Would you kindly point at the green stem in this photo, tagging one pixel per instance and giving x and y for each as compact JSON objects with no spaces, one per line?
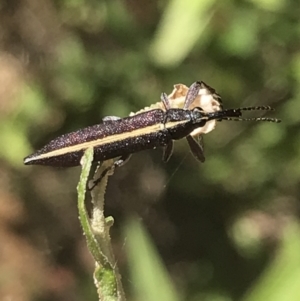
{"x":106,"y":276}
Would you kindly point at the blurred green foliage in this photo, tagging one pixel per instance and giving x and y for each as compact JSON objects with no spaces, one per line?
{"x":226,"y":229}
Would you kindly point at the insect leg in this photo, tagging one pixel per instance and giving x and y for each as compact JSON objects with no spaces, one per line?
{"x":192,"y":94}
{"x":110,"y":118}
{"x":168,"y":150}
{"x":196,"y":148}
{"x":118,"y":163}
{"x":165,"y":100}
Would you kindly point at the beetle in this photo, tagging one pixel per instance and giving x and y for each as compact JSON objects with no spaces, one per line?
{"x":119,"y":137}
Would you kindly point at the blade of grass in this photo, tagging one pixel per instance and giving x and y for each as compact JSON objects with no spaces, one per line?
{"x":148,"y":274}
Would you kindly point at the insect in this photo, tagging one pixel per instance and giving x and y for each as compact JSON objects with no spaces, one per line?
{"x":119,"y":137}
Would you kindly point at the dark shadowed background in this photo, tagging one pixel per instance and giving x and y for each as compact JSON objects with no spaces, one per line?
{"x":225,"y":230}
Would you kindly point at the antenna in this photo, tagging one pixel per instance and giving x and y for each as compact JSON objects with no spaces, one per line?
{"x":256,"y":108}
{"x":235,"y":114}
{"x":276,"y":120}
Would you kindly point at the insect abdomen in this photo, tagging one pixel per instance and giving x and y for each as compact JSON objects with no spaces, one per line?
{"x":109,"y":139}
